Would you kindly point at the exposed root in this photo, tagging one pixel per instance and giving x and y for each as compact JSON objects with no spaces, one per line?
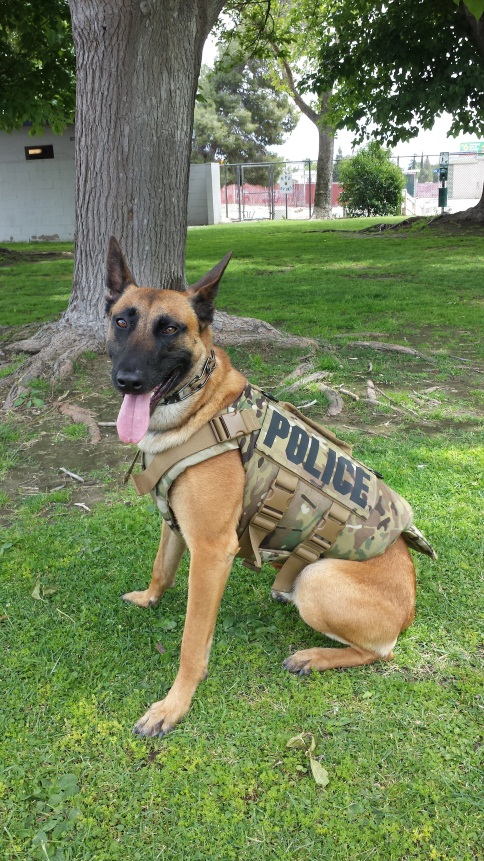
{"x":81,"y":415}
{"x":231,"y":331}
{"x":54,"y":349}
{"x":387,"y":348}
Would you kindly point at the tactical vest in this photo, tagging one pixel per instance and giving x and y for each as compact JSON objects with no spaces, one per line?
{"x":305,"y":496}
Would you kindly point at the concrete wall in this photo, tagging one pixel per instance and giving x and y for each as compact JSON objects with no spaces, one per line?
{"x":204,"y":194}
{"x":37,"y":197}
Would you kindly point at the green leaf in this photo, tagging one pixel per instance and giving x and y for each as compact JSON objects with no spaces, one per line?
{"x":40,"y":839}
{"x":476,"y":7}
{"x":36,"y":593}
{"x":320,"y":774}
{"x":297,"y":741}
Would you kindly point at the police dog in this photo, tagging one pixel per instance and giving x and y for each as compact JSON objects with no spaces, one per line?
{"x":159,"y":340}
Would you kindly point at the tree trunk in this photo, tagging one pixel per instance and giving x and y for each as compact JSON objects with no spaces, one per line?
{"x":324,"y":170}
{"x":137,"y":71}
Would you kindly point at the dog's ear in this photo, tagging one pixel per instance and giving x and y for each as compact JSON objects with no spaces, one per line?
{"x":203,"y":293}
{"x":118,"y":275}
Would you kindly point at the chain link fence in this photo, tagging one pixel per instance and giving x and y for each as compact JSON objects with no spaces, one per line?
{"x":285,"y":190}
{"x":273,"y":190}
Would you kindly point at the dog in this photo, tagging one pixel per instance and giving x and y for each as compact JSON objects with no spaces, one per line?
{"x":160,"y":341}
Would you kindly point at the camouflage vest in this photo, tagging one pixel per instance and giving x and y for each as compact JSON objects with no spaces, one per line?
{"x":305,"y":495}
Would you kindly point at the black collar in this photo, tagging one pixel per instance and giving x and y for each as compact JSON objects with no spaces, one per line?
{"x":197,"y":383}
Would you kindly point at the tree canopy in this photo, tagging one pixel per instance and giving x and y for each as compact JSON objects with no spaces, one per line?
{"x":37,"y":65}
{"x":239,"y":115}
{"x":397,"y":65}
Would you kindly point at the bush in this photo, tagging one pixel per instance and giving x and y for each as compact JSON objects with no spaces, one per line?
{"x":372,"y":184}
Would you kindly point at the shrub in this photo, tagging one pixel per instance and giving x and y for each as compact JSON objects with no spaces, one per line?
{"x":372,"y":184}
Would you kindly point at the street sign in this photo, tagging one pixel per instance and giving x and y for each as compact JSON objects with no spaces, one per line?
{"x":444,"y":159}
{"x":285,"y":183}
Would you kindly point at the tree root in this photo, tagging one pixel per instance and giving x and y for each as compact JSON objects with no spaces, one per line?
{"x":53,"y":351}
{"x":231,"y":331}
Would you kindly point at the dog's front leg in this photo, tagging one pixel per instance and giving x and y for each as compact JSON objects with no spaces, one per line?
{"x":209,"y":570}
{"x":170,"y":551}
{"x":207,"y":501}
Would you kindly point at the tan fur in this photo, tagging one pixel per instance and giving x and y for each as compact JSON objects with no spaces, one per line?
{"x":362,"y":604}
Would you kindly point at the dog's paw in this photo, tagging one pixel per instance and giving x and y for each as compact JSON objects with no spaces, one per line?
{"x":283,"y":597}
{"x":141,"y":599}
{"x":159,"y":720}
{"x":298,"y":663}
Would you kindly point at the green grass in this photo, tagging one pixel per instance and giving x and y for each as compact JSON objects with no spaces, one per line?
{"x":401,"y":742}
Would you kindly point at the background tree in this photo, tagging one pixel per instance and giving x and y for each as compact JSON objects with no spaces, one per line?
{"x":427,"y":172}
{"x":397,"y":65}
{"x":372,"y":184}
{"x":285,"y":33}
{"x":37,"y":65}
{"x":336,"y":164}
{"x":240,"y":115}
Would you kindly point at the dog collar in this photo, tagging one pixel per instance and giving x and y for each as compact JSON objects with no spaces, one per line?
{"x":197,"y":383}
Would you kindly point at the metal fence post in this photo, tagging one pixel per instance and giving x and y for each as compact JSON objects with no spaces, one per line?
{"x":238,"y":190}
{"x":310,"y":189}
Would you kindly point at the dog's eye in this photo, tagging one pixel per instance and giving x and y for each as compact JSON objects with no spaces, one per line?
{"x":121,"y":322}
{"x":170,"y":330}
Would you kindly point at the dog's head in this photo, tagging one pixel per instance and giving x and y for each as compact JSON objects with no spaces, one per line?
{"x":157,"y":339}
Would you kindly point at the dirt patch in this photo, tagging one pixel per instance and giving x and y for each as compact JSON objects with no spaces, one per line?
{"x":49,"y":442}
{"x":8,"y":257}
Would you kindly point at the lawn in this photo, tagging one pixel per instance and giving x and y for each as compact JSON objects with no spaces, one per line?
{"x":401,"y":742}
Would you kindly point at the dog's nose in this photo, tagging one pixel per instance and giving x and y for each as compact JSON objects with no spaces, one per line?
{"x":129,"y":382}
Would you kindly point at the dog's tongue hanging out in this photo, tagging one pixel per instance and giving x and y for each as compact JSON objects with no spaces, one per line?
{"x":134,"y":417}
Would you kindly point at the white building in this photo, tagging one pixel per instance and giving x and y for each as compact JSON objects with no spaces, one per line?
{"x":37,"y":182}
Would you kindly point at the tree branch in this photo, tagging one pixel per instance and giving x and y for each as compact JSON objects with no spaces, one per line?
{"x":305,"y":109}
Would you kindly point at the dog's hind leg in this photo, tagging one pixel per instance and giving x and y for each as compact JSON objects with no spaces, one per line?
{"x":364,"y":605}
{"x":170,"y":551}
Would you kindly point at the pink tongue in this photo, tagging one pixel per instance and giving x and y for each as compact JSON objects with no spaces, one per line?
{"x":134,"y":417}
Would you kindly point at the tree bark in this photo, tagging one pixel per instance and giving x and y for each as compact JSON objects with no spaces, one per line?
{"x":324,"y":171}
{"x":137,"y":71}
{"x":324,"y":168}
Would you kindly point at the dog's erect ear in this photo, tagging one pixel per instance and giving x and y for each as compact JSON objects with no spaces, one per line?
{"x":118,"y":275}
{"x":203,"y":293}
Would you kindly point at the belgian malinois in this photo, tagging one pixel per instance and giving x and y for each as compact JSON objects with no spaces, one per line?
{"x":159,"y":341}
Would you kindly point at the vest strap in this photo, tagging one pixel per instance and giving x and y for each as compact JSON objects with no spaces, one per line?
{"x":314,"y":546}
{"x":220,"y":429}
{"x":268,"y":516}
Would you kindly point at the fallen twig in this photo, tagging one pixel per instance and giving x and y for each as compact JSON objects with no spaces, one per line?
{"x":397,"y":406}
{"x":350,"y":394}
{"x":304,"y":381}
{"x":306,"y":406}
{"x":71,"y":474}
